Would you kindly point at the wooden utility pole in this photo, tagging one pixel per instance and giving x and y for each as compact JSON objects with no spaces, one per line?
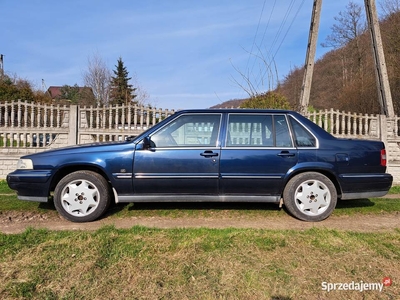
{"x":382,"y":80}
{"x":1,"y":65}
{"x":310,"y":57}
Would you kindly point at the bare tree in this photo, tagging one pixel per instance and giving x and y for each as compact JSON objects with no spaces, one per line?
{"x":390,"y":7}
{"x":255,"y":84}
{"x":346,"y":38}
{"x":98,"y":76}
{"x":350,"y":25}
{"x":142,"y":97}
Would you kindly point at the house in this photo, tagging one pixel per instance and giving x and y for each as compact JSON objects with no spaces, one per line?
{"x":56,"y":91}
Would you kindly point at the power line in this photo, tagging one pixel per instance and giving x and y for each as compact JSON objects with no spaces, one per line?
{"x":271,"y":53}
{"x":262,"y":39}
{"x":283,"y":39}
{"x":255,"y":35}
{"x":253,"y":44}
{"x":268,"y":55}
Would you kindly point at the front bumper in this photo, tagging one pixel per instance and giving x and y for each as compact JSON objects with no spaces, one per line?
{"x":31,"y":185}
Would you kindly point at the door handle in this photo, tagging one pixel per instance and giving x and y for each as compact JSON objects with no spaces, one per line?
{"x":286,"y":154}
{"x":208,"y":153}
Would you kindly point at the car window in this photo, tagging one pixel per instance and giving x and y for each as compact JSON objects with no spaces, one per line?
{"x":302,"y":136}
{"x":189,"y":131}
{"x":282,"y":133}
{"x":250,"y":130}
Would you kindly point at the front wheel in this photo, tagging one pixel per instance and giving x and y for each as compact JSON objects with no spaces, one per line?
{"x":310,"y":196}
{"x":82,"y":196}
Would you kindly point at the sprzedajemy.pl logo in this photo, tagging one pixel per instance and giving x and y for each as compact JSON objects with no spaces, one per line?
{"x":360,"y":286}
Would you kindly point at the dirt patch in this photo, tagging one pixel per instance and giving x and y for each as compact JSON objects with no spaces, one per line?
{"x":16,"y":222}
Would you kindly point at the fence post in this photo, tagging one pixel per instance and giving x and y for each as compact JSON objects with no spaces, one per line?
{"x":383,"y":133}
{"x":383,"y":127}
{"x":73,"y":125}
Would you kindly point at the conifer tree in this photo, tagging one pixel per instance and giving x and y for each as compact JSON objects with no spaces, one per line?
{"x":121,"y":91}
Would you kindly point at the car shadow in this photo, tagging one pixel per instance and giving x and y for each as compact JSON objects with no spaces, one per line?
{"x":198,"y":206}
{"x":204,"y":206}
{"x":47,"y":205}
{"x":341,"y":204}
{"x":344,"y":204}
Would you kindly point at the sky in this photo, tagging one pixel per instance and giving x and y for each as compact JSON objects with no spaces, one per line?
{"x":181,"y":53}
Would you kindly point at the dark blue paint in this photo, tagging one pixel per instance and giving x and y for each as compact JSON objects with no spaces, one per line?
{"x":353,"y":165}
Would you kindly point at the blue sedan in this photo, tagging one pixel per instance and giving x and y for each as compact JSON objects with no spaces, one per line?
{"x":209,"y":155}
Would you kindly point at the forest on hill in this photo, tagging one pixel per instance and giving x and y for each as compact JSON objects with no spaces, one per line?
{"x":344,"y":78}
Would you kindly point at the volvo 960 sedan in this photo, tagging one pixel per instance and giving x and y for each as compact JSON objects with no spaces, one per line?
{"x":209,"y":155}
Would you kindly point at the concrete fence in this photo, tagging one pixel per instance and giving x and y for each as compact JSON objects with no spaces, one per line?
{"x":29,"y":127}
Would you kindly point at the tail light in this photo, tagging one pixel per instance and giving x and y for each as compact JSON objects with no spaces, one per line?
{"x":383,"y":158}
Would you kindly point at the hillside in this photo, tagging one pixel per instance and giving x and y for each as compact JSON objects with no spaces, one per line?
{"x":229,"y":104}
{"x":344,"y":78}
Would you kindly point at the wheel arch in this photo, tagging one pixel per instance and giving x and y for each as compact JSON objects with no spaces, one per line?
{"x":327,"y":171}
{"x":62,"y":172}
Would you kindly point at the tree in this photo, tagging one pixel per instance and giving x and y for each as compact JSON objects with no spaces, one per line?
{"x":266,"y":100}
{"x":70,"y":93}
{"x":390,"y":7}
{"x":121,"y":92}
{"x":15,"y":89}
{"x":346,"y":35}
{"x":267,"y":74}
{"x":350,"y":39}
{"x":390,"y":27}
{"x":98,"y":77}
{"x":77,"y":95}
{"x":350,"y":25}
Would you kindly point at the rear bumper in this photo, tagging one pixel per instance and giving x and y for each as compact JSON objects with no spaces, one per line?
{"x":356,"y":186}
{"x":31,"y":185}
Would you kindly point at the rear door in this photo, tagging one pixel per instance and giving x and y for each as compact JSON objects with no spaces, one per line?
{"x":257,"y":153}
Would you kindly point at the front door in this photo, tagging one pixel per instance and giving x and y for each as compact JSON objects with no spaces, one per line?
{"x":183,"y":160}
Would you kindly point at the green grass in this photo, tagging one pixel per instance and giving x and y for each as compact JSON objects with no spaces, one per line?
{"x":9,"y":202}
{"x":395,"y":189}
{"x":197,"y":263}
{"x":4,"y":189}
{"x":144,"y":263}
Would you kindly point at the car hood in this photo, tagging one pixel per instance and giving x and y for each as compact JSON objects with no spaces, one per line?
{"x":84,"y":148}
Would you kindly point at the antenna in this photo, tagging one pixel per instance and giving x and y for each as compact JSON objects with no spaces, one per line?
{"x":44,"y":86}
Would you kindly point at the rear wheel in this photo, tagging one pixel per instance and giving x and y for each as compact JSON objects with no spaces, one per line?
{"x":310,"y":196}
{"x":82,"y":196}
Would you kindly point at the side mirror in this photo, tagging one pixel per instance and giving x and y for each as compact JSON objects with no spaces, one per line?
{"x":148,"y":143}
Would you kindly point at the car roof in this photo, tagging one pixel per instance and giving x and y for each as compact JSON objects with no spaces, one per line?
{"x":237,"y":110}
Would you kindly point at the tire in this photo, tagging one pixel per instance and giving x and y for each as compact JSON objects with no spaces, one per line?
{"x":310,"y":196}
{"x":82,"y":196}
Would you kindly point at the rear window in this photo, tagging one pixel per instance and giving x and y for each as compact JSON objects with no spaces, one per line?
{"x":302,"y":137}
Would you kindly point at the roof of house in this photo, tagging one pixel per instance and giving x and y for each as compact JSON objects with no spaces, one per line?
{"x":55,"y":91}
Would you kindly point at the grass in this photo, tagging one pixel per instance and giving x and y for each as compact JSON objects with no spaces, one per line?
{"x":143,"y":263}
{"x":4,"y":189}
{"x":9,"y":202}
{"x":395,"y":189}
{"x":197,"y":263}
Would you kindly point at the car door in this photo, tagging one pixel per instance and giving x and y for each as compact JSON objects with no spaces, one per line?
{"x":183,"y":159}
{"x":257,"y":153}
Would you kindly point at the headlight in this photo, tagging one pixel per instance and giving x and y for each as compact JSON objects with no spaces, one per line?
{"x":25,"y":164}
